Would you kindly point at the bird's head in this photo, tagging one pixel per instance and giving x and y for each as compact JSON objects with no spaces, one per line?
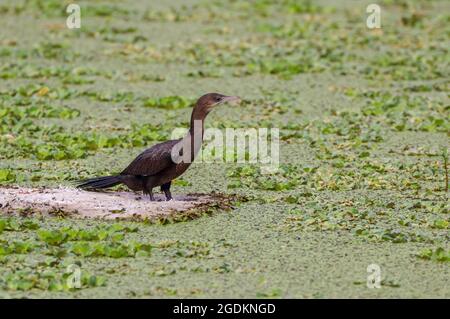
{"x":208,"y":101}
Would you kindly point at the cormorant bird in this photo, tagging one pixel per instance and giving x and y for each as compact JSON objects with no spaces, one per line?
{"x":161,"y":163}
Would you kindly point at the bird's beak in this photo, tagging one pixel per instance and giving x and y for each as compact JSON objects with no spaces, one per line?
{"x":231,"y":99}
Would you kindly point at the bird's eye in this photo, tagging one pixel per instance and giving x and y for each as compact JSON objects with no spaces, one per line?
{"x":218,"y":98}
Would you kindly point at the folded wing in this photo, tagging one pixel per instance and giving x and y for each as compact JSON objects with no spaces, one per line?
{"x":152,"y":161}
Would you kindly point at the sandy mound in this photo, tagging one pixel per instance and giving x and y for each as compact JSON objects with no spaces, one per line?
{"x":105,"y":205}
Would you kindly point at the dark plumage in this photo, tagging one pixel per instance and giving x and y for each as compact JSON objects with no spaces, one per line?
{"x":163,"y":162}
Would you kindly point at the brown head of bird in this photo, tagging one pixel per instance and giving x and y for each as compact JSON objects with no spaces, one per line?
{"x":208,"y":102}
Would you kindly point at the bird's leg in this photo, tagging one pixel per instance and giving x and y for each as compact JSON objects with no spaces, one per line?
{"x":147,"y":185}
{"x":166,"y":189}
{"x":148,"y":192}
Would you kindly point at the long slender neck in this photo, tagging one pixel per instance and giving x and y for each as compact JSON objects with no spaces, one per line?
{"x":197,"y":124}
{"x":194,"y":137}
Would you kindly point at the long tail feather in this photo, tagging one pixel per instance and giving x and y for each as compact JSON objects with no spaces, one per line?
{"x":100,"y":182}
